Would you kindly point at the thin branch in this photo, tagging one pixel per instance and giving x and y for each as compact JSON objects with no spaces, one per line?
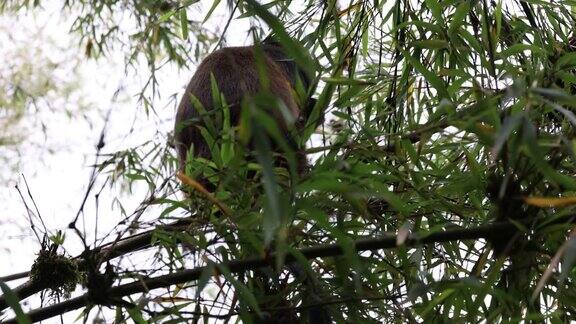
{"x":15,"y":276}
{"x":106,"y":252}
{"x":239,"y":266}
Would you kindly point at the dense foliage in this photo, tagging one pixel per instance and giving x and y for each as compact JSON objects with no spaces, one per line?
{"x":443,"y":175}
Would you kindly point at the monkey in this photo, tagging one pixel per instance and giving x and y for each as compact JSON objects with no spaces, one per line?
{"x":237,"y":76}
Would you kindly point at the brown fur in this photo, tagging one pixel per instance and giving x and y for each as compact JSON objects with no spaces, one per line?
{"x":236,"y":74}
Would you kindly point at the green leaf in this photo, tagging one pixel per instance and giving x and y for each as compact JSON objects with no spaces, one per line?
{"x":272,"y":212}
{"x":165,"y":17}
{"x":184,"y":23}
{"x":135,"y":176}
{"x":215,"y":4}
{"x":498,"y":18}
{"x":431,"y":43}
{"x":537,"y":155}
{"x":436,"y":9}
{"x":557,"y":95}
{"x":347,"y":81}
{"x":567,"y":61}
{"x":510,"y":123}
{"x":459,"y":17}
{"x":438,"y":300}
{"x":520,"y":49}
{"x":14,"y":303}
{"x":433,"y":79}
{"x":211,"y":143}
{"x":227,"y":150}
{"x":136,"y":315}
{"x":568,"y":260}
{"x":567,"y":113}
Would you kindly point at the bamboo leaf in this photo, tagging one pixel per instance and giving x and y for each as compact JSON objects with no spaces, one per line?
{"x":434,"y":80}
{"x":14,"y":303}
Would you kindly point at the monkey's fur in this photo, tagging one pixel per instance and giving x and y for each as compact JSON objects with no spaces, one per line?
{"x":237,"y":76}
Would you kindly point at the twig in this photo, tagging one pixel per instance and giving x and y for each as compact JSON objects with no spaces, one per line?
{"x":34,"y":203}
{"x":227,"y":25}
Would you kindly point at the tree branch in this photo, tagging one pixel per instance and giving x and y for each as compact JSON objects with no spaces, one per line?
{"x":106,"y":252}
{"x":239,"y":266}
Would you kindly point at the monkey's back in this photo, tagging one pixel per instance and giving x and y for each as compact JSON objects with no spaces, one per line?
{"x":236,"y":74}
